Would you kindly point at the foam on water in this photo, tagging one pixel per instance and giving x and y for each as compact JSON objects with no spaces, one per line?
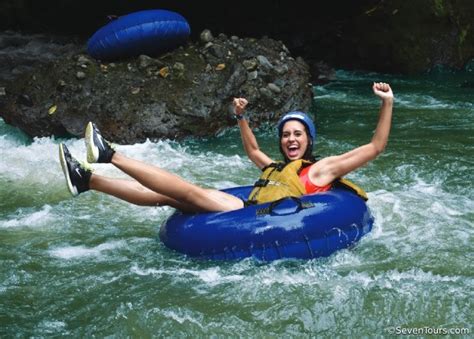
{"x":350,"y":98}
{"x":182,"y":316}
{"x":210,"y":276}
{"x":38,"y":163}
{"x":30,"y":218}
{"x":442,"y":212}
{"x":35,"y":168}
{"x":424,"y":102}
{"x":81,"y":252}
{"x":33,"y":163}
{"x":322,"y":276}
{"x":51,"y":327}
{"x":410,"y":101}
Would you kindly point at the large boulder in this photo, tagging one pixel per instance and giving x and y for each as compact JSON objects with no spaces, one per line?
{"x":186,"y":92}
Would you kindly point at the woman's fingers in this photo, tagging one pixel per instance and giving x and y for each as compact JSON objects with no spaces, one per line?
{"x":241,"y":102}
{"x":382,"y":90}
{"x":381,"y":86}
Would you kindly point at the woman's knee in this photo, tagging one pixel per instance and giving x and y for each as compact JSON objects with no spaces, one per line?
{"x":193,"y":196}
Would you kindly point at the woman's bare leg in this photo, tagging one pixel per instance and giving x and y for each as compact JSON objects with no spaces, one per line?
{"x":176,"y":189}
{"x":134,"y":192}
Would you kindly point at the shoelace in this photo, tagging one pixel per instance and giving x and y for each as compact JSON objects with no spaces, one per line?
{"x":85,"y":165}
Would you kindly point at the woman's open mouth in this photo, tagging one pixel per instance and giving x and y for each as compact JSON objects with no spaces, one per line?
{"x":293,"y":151}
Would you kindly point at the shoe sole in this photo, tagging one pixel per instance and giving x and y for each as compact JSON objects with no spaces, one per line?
{"x":62,"y":160}
{"x":92,"y":150}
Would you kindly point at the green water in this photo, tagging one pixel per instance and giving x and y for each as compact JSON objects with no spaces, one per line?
{"x":93,"y":265}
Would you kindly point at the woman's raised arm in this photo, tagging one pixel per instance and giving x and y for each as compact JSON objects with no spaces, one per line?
{"x":326,"y":170}
{"x":248,"y":138}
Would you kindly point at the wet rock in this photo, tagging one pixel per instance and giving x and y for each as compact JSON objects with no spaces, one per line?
{"x":61,"y":85}
{"x":178,"y":67}
{"x":264,"y":62}
{"x":80,"y":75}
{"x":281,"y":69}
{"x":250,"y":64}
{"x":83,"y":61}
{"x":252,"y":75}
{"x":266,"y":92}
{"x":206,"y":36}
{"x":24,"y":99}
{"x":145,"y":61}
{"x":274,"y":88}
{"x":218,"y":51}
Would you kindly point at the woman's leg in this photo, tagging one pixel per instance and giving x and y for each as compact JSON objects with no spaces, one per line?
{"x":158,"y":180}
{"x":182,"y":195}
{"x":174,"y":188}
{"x":133,"y":192}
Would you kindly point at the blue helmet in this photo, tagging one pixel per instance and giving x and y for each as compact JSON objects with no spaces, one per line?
{"x":301,"y":117}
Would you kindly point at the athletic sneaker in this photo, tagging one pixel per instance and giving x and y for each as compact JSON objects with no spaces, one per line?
{"x":77,"y":174}
{"x":98,"y":149}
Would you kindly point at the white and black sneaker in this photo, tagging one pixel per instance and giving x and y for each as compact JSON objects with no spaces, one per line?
{"x":77,"y":174}
{"x":98,"y":149}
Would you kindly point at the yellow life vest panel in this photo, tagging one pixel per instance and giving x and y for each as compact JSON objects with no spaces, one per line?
{"x":278,"y":180}
{"x":353,"y":187}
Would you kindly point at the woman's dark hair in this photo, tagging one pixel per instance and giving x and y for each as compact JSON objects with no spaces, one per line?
{"x":308,"y":153}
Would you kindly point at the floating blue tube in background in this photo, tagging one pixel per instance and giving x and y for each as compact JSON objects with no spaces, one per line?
{"x":149,"y":32}
{"x":309,"y":227}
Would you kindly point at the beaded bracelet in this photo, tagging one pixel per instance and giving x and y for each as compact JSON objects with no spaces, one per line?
{"x":239,"y":116}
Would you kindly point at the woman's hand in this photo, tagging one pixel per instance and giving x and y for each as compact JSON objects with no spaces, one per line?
{"x":383,"y":91}
{"x":239,"y":105}
{"x":248,"y":138}
{"x":326,"y":170}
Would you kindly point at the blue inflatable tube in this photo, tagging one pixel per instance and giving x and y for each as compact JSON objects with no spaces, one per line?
{"x":147,"y":32}
{"x":308,"y":227}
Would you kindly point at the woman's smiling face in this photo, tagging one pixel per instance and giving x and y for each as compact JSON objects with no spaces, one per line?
{"x":294,"y":140}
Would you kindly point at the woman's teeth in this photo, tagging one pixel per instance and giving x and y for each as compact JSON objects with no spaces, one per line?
{"x":292,"y":150}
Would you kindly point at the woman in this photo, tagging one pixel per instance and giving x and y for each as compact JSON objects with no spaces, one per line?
{"x":154,"y":186}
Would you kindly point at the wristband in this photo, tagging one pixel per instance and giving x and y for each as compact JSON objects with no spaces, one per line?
{"x":239,"y":116}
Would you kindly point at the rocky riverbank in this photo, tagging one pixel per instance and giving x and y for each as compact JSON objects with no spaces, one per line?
{"x":185,"y":92}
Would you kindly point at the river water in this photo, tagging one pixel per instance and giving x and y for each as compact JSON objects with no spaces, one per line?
{"x":94,"y":265}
